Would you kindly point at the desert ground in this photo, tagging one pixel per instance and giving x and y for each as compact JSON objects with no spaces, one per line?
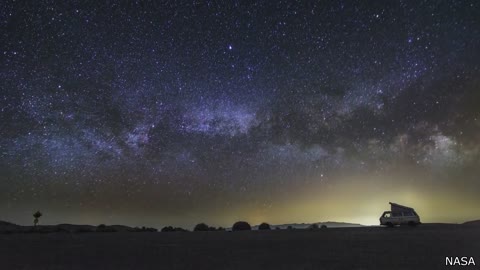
{"x":422,"y":247}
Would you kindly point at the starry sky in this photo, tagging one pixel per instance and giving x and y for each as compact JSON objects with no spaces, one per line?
{"x":173,"y":113}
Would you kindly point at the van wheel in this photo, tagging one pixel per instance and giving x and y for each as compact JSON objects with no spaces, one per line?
{"x":389,"y":224}
{"x":412,"y":224}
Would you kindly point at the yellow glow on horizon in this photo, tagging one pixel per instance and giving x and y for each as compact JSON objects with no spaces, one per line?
{"x":357,"y":202}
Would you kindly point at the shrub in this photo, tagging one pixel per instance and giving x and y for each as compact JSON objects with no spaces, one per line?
{"x":264,"y":226}
{"x":172,"y":229}
{"x":143,"y":229}
{"x":202,"y":227}
{"x":241,"y":226}
{"x":167,"y":229}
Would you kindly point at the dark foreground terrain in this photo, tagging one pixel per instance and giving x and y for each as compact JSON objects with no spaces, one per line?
{"x":423,"y":247}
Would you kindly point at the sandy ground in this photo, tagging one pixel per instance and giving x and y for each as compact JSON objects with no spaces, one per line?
{"x":423,"y":247}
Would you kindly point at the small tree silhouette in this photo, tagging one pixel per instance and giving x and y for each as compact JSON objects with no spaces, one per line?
{"x":36,"y":215}
{"x":167,"y":229}
{"x":264,"y":226}
{"x":241,"y":226}
{"x":201,"y":227}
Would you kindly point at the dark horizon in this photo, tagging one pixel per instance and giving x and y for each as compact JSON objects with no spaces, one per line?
{"x":154,"y":114}
{"x":224,"y":225}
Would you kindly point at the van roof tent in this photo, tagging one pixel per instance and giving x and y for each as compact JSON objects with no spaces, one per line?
{"x":400,"y":208}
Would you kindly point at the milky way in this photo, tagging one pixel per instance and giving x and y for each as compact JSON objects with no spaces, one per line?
{"x":170,"y":112}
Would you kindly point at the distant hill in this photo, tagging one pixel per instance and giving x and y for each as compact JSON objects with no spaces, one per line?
{"x":7,"y":227}
{"x":4,"y":223}
{"x":329,"y":224}
{"x":472,"y":223}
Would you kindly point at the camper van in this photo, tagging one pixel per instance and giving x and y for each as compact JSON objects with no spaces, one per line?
{"x":399,"y":215}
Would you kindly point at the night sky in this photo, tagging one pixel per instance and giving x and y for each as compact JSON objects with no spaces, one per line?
{"x":171,"y":113}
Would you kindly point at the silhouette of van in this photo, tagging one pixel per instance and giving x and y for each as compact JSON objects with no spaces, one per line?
{"x":399,"y":215}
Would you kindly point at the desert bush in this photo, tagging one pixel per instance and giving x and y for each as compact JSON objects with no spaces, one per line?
{"x":167,"y":229}
{"x":172,"y":229}
{"x":143,"y":229}
{"x":241,"y":226}
{"x":264,"y":226}
{"x":202,"y":227}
